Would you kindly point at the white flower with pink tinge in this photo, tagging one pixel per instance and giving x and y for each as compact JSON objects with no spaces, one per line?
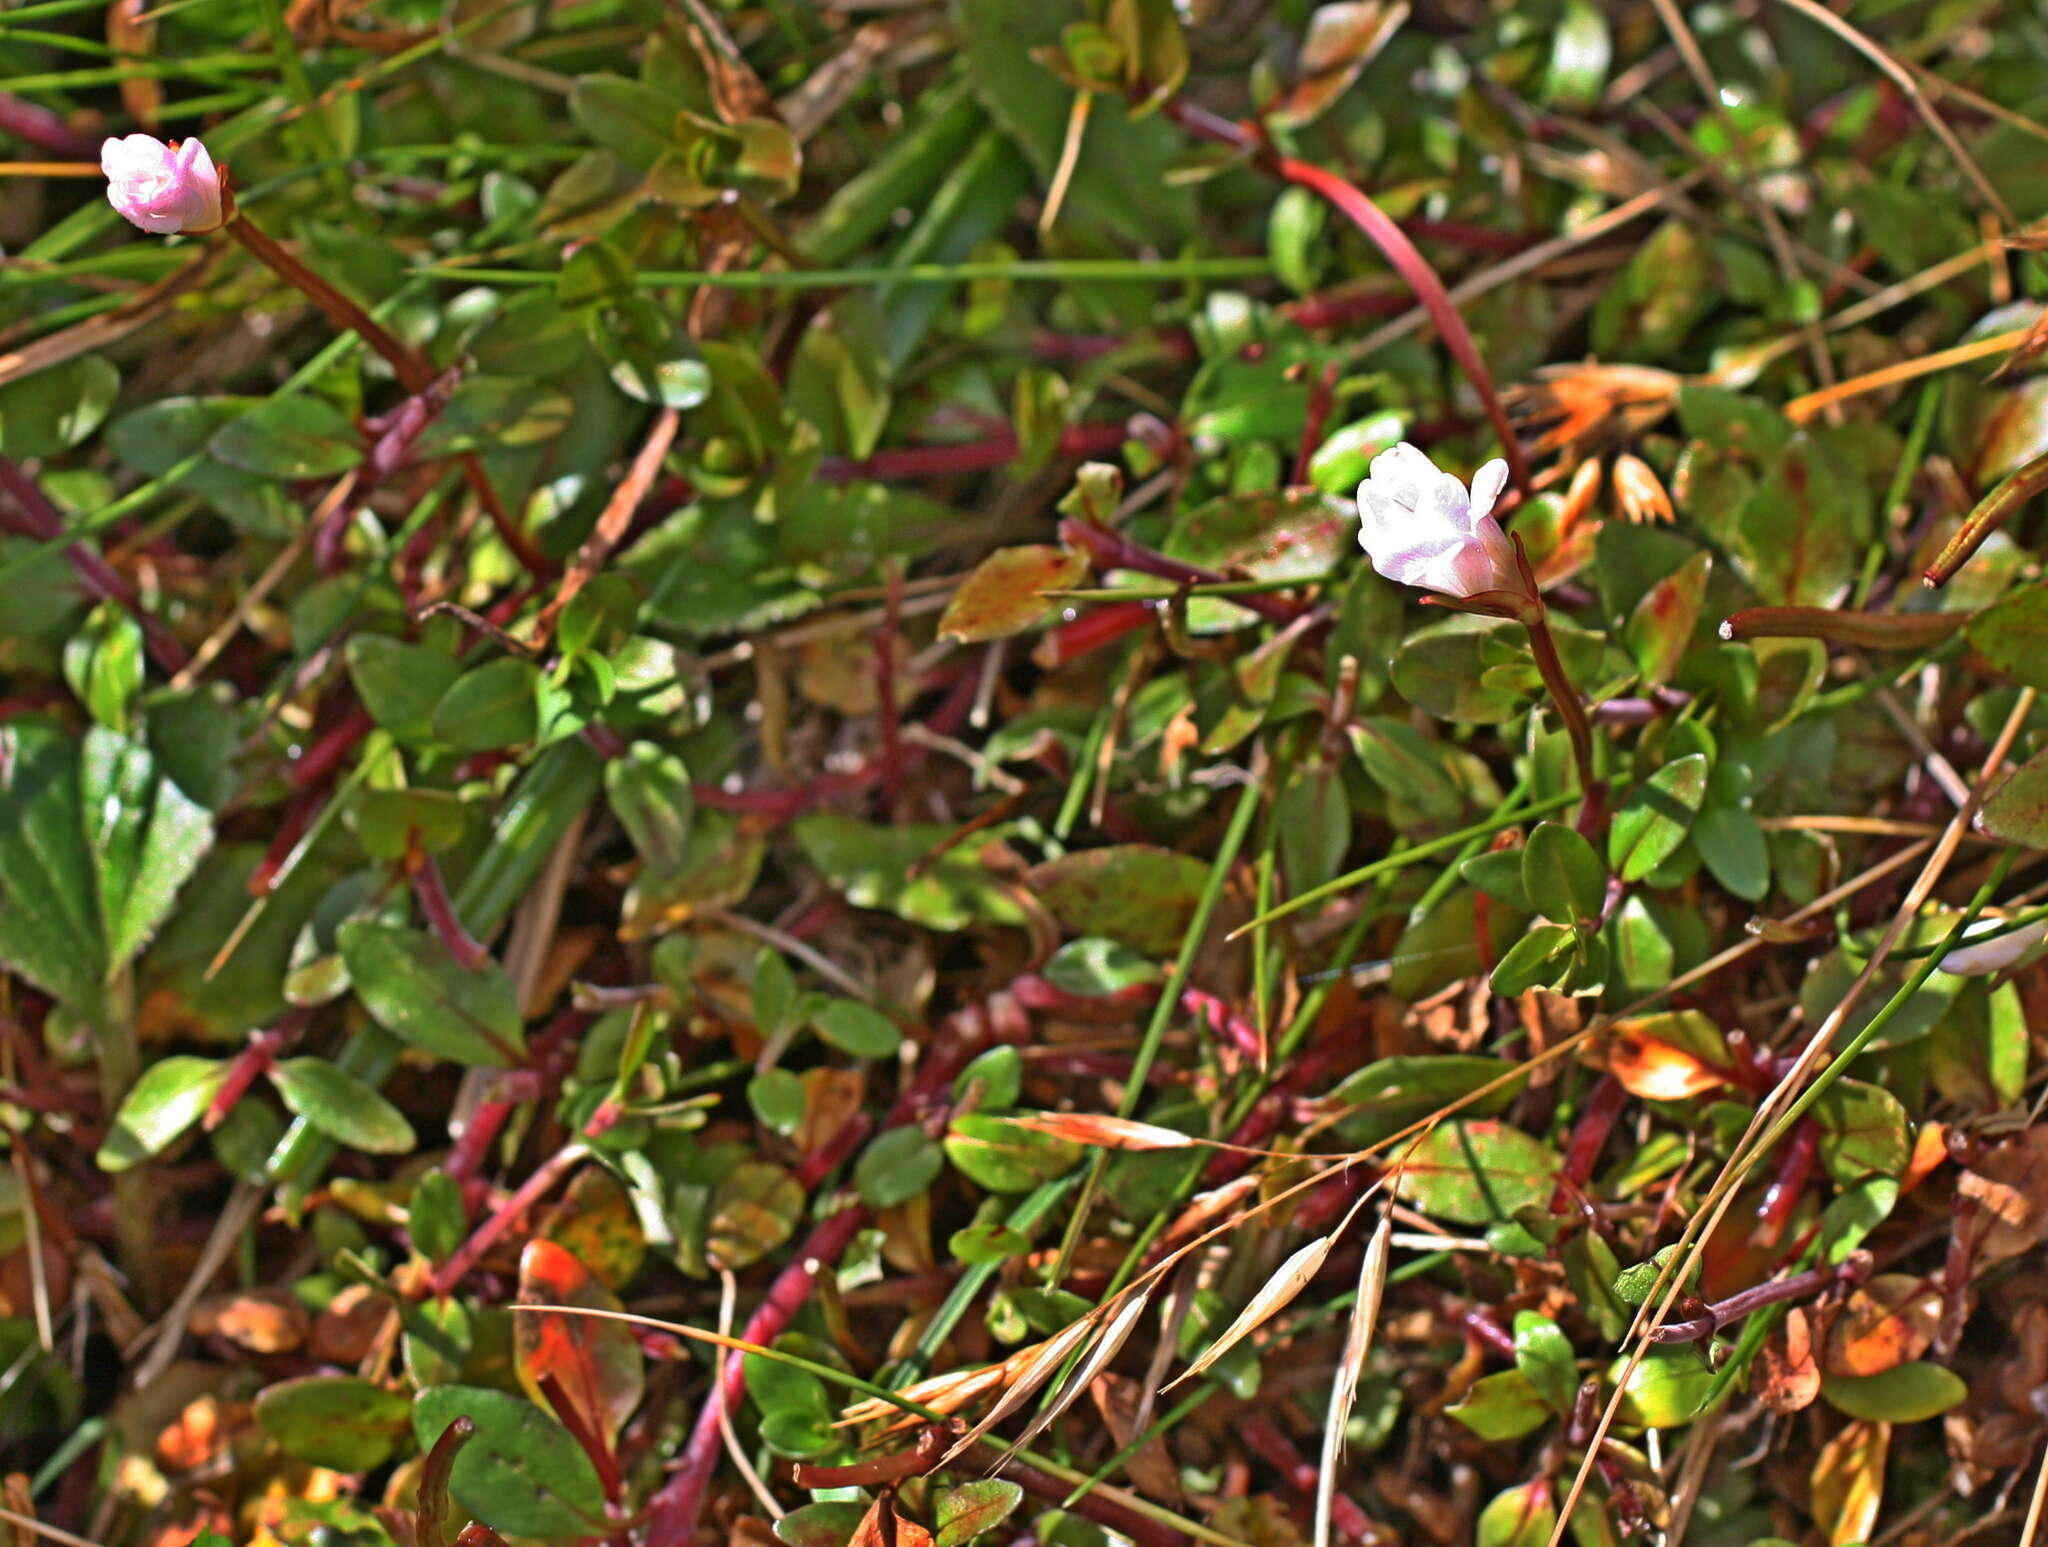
{"x":162,"y":188}
{"x":1978,"y":956}
{"x":1420,"y":527}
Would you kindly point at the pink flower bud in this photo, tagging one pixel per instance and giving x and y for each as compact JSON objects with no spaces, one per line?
{"x":1979,"y":956}
{"x":162,"y":188}
{"x":1419,"y":526}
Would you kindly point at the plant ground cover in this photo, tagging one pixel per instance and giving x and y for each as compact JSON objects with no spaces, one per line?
{"x":710,"y":830}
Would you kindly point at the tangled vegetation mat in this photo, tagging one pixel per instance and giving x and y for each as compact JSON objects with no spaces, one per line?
{"x":878,"y":773}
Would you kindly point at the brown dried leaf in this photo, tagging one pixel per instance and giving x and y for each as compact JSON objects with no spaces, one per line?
{"x":264,"y":1321}
{"x":1788,"y":1377}
{"x":2009,"y":1184}
{"x":1120,"y":1401}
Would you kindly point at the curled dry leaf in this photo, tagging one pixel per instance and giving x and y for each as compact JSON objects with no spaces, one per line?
{"x":1788,"y":1375}
{"x":2009,"y":1184}
{"x":1288,"y":1280}
{"x":1848,"y":1482}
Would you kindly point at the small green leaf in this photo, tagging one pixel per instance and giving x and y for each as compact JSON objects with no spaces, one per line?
{"x":828,"y":1524}
{"x":1562,"y":875}
{"x":496,"y":705}
{"x":1906,"y":1393}
{"x":1521,"y":1516}
{"x":171,"y":1096}
{"x":1502,"y":1406}
{"x":1667,"y":1388}
{"x":971,"y":1509}
{"x":1540,"y":958}
{"x":1655,"y":818}
{"x":400,"y":684}
{"x":342,"y":1107}
{"x":1864,"y":1131}
{"x":651,"y":795}
{"x":855,"y":1028}
{"x":897,"y":1167}
{"x":777,"y":1099}
{"x":52,"y":410}
{"x":1092,"y":967}
{"x":1005,"y":1158}
{"x":1476,"y":1172}
{"x":436,"y":1217}
{"x":289,"y":438}
{"x":419,"y":992}
{"x":1544,"y":1354}
{"x":338,"y":1421}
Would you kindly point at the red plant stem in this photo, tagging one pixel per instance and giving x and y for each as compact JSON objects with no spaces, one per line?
{"x":1572,"y":710}
{"x":1589,"y":1136}
{"x":253,"y":1062}
{"x":834,"y":1152}
{"x":1782,"y":1196}
{"x":886,"y":714}
{"x":431,"y":892}
{"x":485,"y":1236}
{"x":672,"y":1514}
{"x":582,"y":1427}
{"x":1092,"y":630}
{"x":1112,"y":550}
{"x":413,"y":372}
{"x":1322,"y":397}
{"x":1265,"y":1439}
{"x":335,"y":743}
{"x":36,"y":517}
{"x":1394,"y":245}
{"x":980,"y":456}
{"x":1480,"y":1323}
{"x":1104,"y":1511}
{"x":1851,"y":1270}
{"x":298,"y":818}
{"x":1864,"y":630}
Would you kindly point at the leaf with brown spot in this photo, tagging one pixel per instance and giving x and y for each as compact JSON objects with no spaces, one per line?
{"x":595,"y":1358}
{"x":881,"y":1526}
{"x":1005,"y":594}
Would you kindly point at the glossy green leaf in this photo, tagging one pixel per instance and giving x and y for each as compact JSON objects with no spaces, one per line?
{"x":1655,"y":818}
{"x":898,"y":1166}
{"x":1562,"y":875}
{"x":521,"y":1473}
{"x":400,"y":684}
{"x":1005,"y":1158}
{"x":495,"y":705}
{"x":172,"y":1094}
{"x":1544,"y":1354}
{"x":1501,"y":1406}
{"x":1474,"y":1171}
{"x":973,"y":1509}
{"x":858,"y":1029}
{"x":419,"y":992}
{"x":342,"y":1106}
{"x":1906,"y":1393}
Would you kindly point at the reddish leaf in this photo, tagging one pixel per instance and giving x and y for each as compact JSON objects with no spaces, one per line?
{"x":1004,"y":595}
{"x":596,"y":1359}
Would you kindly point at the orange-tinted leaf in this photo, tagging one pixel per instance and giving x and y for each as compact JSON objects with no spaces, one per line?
{"x":1888,"y":1321}
{"x":596,"y":1359}
{"x":1930,"y":1151}
{"x":1667,"y":1057}
{"x":2009,"y":1184}
{"x":881,"y":1526}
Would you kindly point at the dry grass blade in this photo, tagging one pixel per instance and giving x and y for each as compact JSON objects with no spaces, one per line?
{"x":1288,"y":1280}
{"x":1114,"y":1335}
{"x":1365,"y":1314}
{"x":1032,"y":1374}
{"x":1116,"y":1133}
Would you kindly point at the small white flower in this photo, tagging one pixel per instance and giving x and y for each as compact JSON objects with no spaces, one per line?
{"x":1996,"y":953}
{"x":1419,"y":526}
